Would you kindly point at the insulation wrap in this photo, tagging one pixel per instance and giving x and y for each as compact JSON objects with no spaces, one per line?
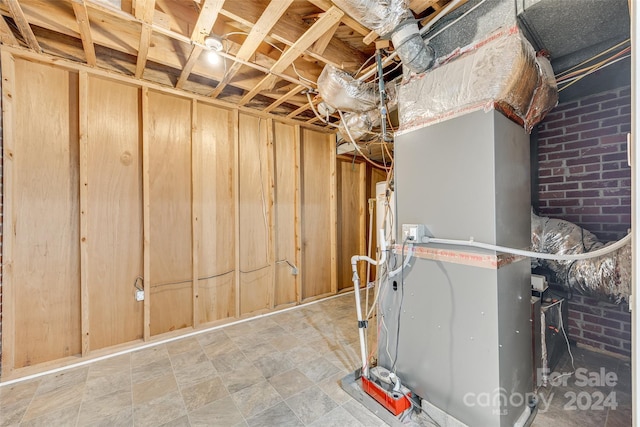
{"x":381,"y":16}
{"x":606,"y":277}
{"x":345,"y":93}
{"x":501,"y":72}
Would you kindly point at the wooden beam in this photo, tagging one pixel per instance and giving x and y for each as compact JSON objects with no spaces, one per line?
{"x":82,"y":17}
{"x":144,"y":11}
{"x":196,"y":209}
{"x":321,"y":26}
{"x":419,"y":6}
{"x":146,"y":213}
{"x":83,"y":95}
{"x":6,"y":35}
{"x":258,"y":32}
{"x":9,"y":215}
{"x":23,"y":24}
{"x":191,"y":62}
{"x":206,"y":19}
{"x":321,"y":44}
{"x":284,"y":98}
{"x":305,"y":107}
{"x":235,"y":123}
{"x":346,"y":19}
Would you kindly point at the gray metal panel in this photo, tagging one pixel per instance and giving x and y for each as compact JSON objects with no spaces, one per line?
{"x":466,"y":177}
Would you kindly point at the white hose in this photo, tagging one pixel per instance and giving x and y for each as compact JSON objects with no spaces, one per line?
{"x":405,"y":263}
{"x":554,"y":257}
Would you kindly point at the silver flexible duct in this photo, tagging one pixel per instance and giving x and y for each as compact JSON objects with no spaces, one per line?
{"x":607,"y":276}
{"x":393,"y":19}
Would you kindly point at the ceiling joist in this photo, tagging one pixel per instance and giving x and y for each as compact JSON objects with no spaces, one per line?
{"x":23,"y":25}
{"x":82,"y":17}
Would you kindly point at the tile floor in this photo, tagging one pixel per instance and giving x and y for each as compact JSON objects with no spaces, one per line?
{"x":280,"y":370}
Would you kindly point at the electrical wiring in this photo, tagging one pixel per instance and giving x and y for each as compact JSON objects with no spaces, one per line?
{"x":455,"y":20}
{"x":586,"y":61}
{"x":356,"y":145}
{"x":578,"y":78}
{"x":313,"y":108}
{"x":393,"y":367}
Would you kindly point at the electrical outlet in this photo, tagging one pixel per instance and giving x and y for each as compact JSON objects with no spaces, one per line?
{"x":413,"y":232}
{"x":139,"y":295}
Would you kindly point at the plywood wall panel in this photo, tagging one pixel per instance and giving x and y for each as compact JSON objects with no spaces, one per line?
{"x":351,"y":216}
{"x":285,"y":212}
{"x":46,"y":253}
{"x":114,"y":213}
{"x":170,"y":212}
{"x":256,"y":276}
{"x":215,"y":154}
{"x":316,"y":186}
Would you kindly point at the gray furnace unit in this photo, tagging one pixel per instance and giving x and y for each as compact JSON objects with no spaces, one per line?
{"x":461,"y":315}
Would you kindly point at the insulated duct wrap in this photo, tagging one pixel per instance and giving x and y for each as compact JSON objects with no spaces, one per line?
{"x":343,"y":92}
{"x":500,"y":72}
{"x":606,"y":277}
{"x":381,"y":16}
{"x":359,"y":124}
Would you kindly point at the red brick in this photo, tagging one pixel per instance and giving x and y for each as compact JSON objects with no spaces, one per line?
{"x":562,"y":123}
{"x":590,"y":343}
{"x":610,"y":166}
{"x":615,"y":210}
{"x":604,"y":149}
{"x":546,"y":195}
{"x":623,"y":317}
{"x":600,"y":202}
{"x":586,"y":177}
{"x":619,"y":102}
{"x":614,"y":139}
{"x":592,"y":168}
{"x":549,"y":133}
{"x":625,"y":92}
{"x":616,"y":192}
{"x":583,"y":193}
{"x":566,"y":202}
{"x":599,"y":132}
{"x":564,"y":107}
{"x":599,"y":184}
{"x":614,"y":157}
{"x":583,"y":160}
{"x":561,"y":139}
{"x":595,"y":117}
{"x":618,"y":120}
{"x":625,"y":110}
{"x":625,"y":128}
{"x":596,"y":329}
{"x":617,"y":350}
{"x":616,"y":174}
{"x":601,"y":338}
{"x":544,"y":172}
{"x":625,"y":183}
{"x":617,"y":333}
{"x":550,"y":164}
{"x":581,"y":127}
{"x":583,"y":210}
{"x":576,"y":170}
{"x":600,"y":218}
{"x":620,"y":228}
{"x":581,"y":111}
{"x":553,"y":116}
{"x":565,"y":186}
{"x":551,"y":179}
{"x":581,"y":144}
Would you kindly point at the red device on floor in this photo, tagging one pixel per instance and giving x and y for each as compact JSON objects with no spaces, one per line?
{"x":395,"y":402}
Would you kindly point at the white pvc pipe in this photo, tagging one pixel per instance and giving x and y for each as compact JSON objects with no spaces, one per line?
{"x":554,"y":257}
{"x":356,"y":289}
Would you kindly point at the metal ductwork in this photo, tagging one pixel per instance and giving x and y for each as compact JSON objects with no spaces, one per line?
{"x":393,"y":19}
{"x":607,"y":277}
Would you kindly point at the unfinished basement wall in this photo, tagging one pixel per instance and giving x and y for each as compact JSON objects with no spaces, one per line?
{"x":119,"y":186}
{"x":584,"y":178}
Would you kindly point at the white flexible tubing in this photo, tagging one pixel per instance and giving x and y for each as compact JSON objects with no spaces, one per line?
{"x":356,"y":291}
{"x":404,"y":264}
{"x":554,"y":257}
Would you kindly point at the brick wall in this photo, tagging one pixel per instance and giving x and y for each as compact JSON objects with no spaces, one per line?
{"x":583,"y":173}
{"x":584,"y":178}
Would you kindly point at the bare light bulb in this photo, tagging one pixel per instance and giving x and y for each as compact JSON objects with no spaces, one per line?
{"x":213,"y":57}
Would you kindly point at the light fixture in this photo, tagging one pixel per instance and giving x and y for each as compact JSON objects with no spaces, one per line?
{"x":214,"y":43}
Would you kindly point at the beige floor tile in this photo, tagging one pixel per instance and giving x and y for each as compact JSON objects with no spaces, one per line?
{"x":290,"y":383}
{"x":241,"y":378}
{"x":256,"y":398}
{"x":153,"y":389}
{"x":311,"y":404}
{"x":106,"y":384}
{"x":159,"y":411}
{"x":67,"y":416}
{"x":183,"y":345}
{"x":157,"y":368}
{"x":105,"y":406}
{"x":190,"y":375}
{"x":149,"y":355}
{"x":203,"y":393}
{"x":111,"y":366}
{"x":222,"y":412}
{"x":63,"y":380}
{"x":57,"y":398}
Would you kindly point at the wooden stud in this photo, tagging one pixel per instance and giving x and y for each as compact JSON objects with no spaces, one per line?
{"x":305,"y":107}
{"x":143,"y":50}
{"x":298,"y":218}
{"x":382,"y":44}
{"x":23,"y":25}
{"x":6,"y":34}
{"x":369,"y":38}
{"x":270,"y":207}
{"x":321,"y":44}
{"x":9,"y":219}
{"x":82,"y":17}
{"x":333,"y":213}
{"x":84,"y":188}
{"x":235,"y":121}
{"x":258,"y":32}
{"x":321,"y":26}
{"x":196,"y":208}
{"x":146,"y":213}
